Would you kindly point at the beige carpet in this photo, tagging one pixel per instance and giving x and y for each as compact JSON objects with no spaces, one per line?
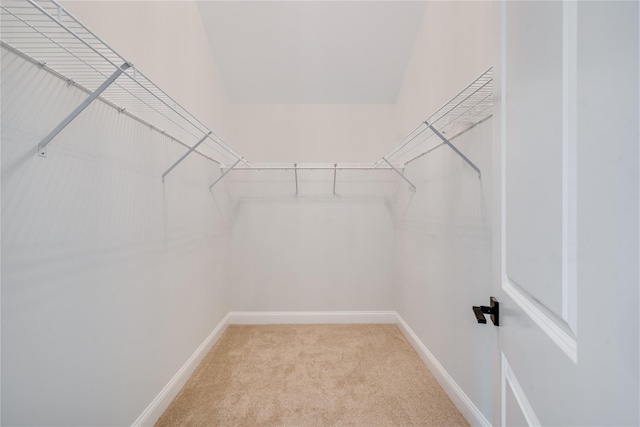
{"x":312,"y":375}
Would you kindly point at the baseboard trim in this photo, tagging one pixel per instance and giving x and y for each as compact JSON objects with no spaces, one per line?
{"x":157,"y":407}
{"x":456,"y":394}
{"x":310,"y":317}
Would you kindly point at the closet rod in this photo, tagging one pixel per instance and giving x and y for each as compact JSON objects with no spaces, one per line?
{"x":285,"y":168}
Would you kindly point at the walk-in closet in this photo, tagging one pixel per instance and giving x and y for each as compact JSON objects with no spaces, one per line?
{"x":319,"y":213}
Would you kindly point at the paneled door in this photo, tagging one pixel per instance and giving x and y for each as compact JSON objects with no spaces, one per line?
{"x":566,"y":214}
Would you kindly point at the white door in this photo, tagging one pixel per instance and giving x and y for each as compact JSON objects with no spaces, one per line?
{"x":566,"y":230}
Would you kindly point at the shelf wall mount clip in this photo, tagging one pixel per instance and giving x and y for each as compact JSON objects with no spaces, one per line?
{"x":400,"y":173}
{"x":184,"y":156}
{"x":224,"y":173}
{"x":42,"y":147}
{"x":453,"y":147}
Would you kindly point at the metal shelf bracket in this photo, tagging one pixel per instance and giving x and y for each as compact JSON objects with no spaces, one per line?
{"x":224,"y":173}
{"x":184,"y":156}
{"x":453,"y":147}
{"x":400,"y":173}
{"x":42,"y":151}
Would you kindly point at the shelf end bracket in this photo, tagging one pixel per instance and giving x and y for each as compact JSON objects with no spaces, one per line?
{"x":453,"y":147}
{"x":42,"y":152}
{"x":184,"y":156}
{"x":400,"y":173}
{"x":224,"y":173}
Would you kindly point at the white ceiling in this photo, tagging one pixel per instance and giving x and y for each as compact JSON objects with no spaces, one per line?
{"x":312,"y":52}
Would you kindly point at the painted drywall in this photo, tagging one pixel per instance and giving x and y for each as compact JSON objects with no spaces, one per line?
{"x":314,"y":52}
{"x":111,"y":279}
{"x":311,"y":133}
{"x":314,"y":251}
{"x":304,"y":255}
{"x":443,"y":230}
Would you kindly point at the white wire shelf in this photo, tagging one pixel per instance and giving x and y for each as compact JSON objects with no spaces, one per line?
{"x":470,"y":107}
{"x":343,"y":181}
{"x":47,"y":34}
{"x":307,"y":166}
{"x":302,"y":171}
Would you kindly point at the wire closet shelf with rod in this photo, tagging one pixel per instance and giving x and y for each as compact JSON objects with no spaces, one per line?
{"x":46,"y":34}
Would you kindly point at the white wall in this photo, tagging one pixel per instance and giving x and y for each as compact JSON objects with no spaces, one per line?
{"x":443,"y":232}
{"x":314,"y":251}
{"x":311,"y":133}
{"x":110,"y":279}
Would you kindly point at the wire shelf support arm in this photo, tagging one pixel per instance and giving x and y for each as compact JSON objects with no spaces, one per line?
{"x":453,"y":147}
{"x":185,"y":155}
{"x":401,"y":174}
{"x":223,"y":174}
{"x":42,"y":151}
{"x":470,"y":107}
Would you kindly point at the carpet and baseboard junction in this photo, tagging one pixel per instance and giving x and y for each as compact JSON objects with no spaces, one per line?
{"x":296,"y":369}
{"x":306,"y":375}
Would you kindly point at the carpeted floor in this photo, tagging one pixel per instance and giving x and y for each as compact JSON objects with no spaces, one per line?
{"x":312,"y":375}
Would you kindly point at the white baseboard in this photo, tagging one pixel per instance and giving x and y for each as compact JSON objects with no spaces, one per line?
{"x":470,"y":411}
{"x":157,"y":407}
{"x":310,"y":317}
{"x":459,"y":397}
